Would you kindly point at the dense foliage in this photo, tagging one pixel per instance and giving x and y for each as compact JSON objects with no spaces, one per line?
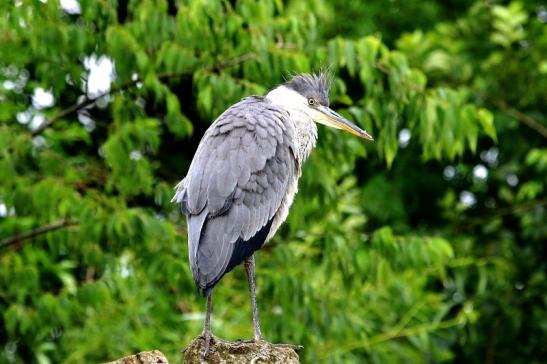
{"x":428,"y":245}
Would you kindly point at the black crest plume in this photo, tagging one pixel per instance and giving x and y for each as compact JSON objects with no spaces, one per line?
{"x":315,"y":86}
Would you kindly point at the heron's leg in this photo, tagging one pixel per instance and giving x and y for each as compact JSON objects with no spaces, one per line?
{"x":250,"y":269}
{"x":207,"y":335}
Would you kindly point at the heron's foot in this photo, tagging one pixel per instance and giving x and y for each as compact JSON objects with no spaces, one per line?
{"x":258,"y":338}
{"x":208,"y":337}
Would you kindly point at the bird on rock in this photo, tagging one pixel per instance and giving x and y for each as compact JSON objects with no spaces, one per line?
{"x":244,"y":176}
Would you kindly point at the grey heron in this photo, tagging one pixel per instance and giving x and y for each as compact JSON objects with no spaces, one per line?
{"x":244,"y":176}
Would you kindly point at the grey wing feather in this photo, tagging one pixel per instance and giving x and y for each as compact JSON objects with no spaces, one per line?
{"x":236,"y":183}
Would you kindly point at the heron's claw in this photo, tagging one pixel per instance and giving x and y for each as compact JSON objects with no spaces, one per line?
{"x":208,"y":337}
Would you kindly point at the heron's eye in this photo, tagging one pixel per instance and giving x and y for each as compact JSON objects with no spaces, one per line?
{"x":312,"y":102}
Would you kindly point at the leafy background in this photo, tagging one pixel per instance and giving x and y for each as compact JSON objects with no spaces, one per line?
{"x":427,"y":246}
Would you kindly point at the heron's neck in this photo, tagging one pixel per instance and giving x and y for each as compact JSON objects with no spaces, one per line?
{"x":296,"y":105}
{"x":306,"y":135}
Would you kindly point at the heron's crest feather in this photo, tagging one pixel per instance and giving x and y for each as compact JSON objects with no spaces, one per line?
{"x":310,"y":85}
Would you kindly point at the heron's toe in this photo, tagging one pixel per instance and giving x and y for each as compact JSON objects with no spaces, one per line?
{"x":208,"y":338}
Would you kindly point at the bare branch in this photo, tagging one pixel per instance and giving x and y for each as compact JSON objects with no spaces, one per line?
{"x":232,"y":61}
{"x":522,"y":117}
{"x":127,"y":85}
{"x":35,"y":232}
{"x":518,"y":208}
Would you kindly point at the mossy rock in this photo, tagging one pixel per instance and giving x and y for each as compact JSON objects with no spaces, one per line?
{"x":146,"y":357}
{"x":240,"y":352}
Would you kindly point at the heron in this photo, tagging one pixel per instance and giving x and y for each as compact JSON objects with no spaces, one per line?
{"x":244,"y":176}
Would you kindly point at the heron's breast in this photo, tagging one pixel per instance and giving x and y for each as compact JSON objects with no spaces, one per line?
{"x":305,"y":133}
{"x":283,"y":210}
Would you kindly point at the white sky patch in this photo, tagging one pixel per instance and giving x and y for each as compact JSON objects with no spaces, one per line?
{"x":404,"y":137}
{"x":490,"y":156}
{"x":9,"y":85}
{"x":71,"y":6}
{"x":4,"y":210}
{"x":102,"y":103}
{"x":449,"y":172}
{"x":17,"y":79}
{"x":512,"y":180}
{"x":101,"y":74}
{"x":42,"y":98}
{"x":37,"y":121}
{"x":125,"y":267}
{"x":480,"y":172}
{"x":467,"y":198}
{"x":24,"y":116}
{"x":542,"y":14}
{"x":38,"y":141}
{"x":135,"y":155}
{"x":86,"y":120}
{"x":135,"y":77}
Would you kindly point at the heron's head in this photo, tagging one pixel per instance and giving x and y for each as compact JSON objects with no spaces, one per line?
{"x":308,"y":94}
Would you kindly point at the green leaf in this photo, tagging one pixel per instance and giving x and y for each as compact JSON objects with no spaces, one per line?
{"x":177,"y":122}
{"x":486,"y":119}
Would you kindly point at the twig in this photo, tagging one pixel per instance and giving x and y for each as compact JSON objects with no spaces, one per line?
{"x":129,"y":84}
{"x":523,"y":207}
{"x":232,"y":61}
{"x":396,"y":333}
{"x":80,"y":105}
{"x":35,"y":232}
{"x":522,"y":117}
{"x":415,"y":330}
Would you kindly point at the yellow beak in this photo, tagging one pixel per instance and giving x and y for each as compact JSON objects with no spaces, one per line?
{"x":331,"y":118}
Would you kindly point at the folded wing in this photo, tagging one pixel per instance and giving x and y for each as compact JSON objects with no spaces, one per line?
{"x":235,"y":185}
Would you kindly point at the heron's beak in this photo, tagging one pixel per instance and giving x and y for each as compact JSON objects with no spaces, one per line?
{"x":331,"y":118}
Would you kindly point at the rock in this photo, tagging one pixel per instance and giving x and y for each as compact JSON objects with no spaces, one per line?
{"x":239,"y":352}
{"x":146,"y":357}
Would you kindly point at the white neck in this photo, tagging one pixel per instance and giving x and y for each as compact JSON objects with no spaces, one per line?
{"x":297,"y":107}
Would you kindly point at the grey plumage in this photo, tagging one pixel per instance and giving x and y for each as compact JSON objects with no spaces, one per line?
{"x":236,"y":183}
{"x":244,"y":174}
{"x":244,"y":177}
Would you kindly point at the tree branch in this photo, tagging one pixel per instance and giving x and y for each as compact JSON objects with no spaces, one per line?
{"x":523,"y":207}
{"x":4,"y":243}
{"x":415,"y":330}
{"x":395,"y":333}
{"x":129,"y":84}
{"x":522,"y":117}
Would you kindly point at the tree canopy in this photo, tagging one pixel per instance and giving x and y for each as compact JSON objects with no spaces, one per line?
{"x":427,"y":245}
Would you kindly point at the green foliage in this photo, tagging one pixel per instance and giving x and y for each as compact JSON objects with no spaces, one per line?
{"x":424,"y":246}
{"x":123,"y":153}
